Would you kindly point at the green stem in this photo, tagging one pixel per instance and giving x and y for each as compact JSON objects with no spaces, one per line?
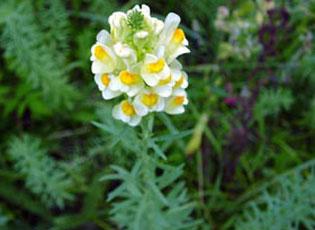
{"x":147,"y":132}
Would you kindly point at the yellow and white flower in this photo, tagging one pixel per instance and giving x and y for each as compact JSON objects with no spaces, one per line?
{"x":173,"y":38}
{"x":103,"y":58}
{"x":182,"y":81}
{"x":180,"y":77}
{"x":128,"y":82}
{"x":154,"y":69}
{"x":125,"y":111}
{"x":148,"y":101}
{"x":138,"y":59}
{"x":165,"y":87}
{"x":175,"y":103}
{"x":103,"y":82}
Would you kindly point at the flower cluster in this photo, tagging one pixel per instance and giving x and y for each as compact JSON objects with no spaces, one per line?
{"x":137,"y":61}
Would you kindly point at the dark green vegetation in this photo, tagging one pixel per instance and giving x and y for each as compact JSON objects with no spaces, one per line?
{"x":244,"y":148}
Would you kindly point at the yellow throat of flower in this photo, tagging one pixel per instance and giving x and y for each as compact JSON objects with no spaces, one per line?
{"x":105,"y":79}
{"x":150,"y":99}
{"x":179,"y":100}
{"x":128,"y":108}
{"x":178,"y":36}
{"x":128,"y":78}
{"x":165,"y":81}
{"x":100,"y":53}
{"x":156,"y":67}
{"x":179,"y":82}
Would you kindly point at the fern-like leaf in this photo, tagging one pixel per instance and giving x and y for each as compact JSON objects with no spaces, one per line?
{"x":151,"y":201}
{"x":270,"y":102}
{"x":286,"y":203}
{"x":29,"y":56}
{"x":42,"y":174}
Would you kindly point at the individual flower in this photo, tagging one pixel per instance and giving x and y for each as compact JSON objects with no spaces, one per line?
{"x":175,"y":103}
{"x":104,"y":83}
{"x":128,"y":82}
{"x":182,"y":81}
{"x":173,"y":38}
{"x":154,"y":69}
{"x":177,"y":79}
{"x":138,"y":59}
{"x":125,"y":111}
{"x":103,"y":57}
{"x":165,"y":86}
{"x":148,"y":101}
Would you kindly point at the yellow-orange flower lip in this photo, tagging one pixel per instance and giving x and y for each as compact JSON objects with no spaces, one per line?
{"x":165,"y":81}
{"x":105,"y":79}
{"x":150,"y":99}
{"x":128,"y":108}
{"x":178,"y":36}
{"x":156,"y":67}
{"x":179,"y":82}
{"x":179,"y":100}
{"x":128,"y":78}
{"x":100,"y":53}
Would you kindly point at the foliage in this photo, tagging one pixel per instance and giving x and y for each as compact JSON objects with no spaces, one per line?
{"x":32,"y":59}
{"x":149,"y":200}
{"x":43,"y":176}
{"x":285,"y":203}
{"x":270,"y":102}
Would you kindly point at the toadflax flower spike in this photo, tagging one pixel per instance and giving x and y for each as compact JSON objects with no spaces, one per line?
{"x":137,"y":60}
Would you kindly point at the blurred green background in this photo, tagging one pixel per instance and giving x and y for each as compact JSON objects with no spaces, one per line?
{"x":246,"y":140}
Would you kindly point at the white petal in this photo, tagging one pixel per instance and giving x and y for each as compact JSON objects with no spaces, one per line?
{"x":115,"y":19}
{"x":97,"y":79}
{"x":160,"y":51}
{"x":99,"y":67}
{"x":134,"y":90}
{"x":103,"y":37}
{"x":176,"y":74}
{"x":164,"y":91}
{"x":134,"y":121}
{"x":158,"y":25}
{"x":122,"y":50}
{"x":176,"y":65}
{"x":123,"y":116}
{"x":109,"y":94}
{"x":175,"y":110}
{"x":145,"y":10}
{"x":140,"y":108}
{"x":185,"y":101}
{"x":180,"y":92}
{"x":124,"y":88}
{"x":185,"y":42}
{"x":165,"y":73}
{"x":179,"y":51}
{"x":92,"y":58}
{"x":135,"y":8}
{"x":150,"y":79}
{"x":160,"y":106}
{"x":149,"y":58}
{"x":171,"y":23}
{"x":185,"y":82}
{"x":115,"y":84}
